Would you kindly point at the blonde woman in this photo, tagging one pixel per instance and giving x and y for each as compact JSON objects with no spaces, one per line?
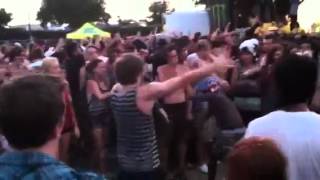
{"x":51,"y":66}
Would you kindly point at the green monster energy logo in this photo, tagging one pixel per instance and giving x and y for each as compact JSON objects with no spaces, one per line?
{"x":219,"y":13}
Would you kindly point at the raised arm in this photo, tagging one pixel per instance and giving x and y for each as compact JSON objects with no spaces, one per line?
{"x":93,"y":88}
{"x":158,"y":90}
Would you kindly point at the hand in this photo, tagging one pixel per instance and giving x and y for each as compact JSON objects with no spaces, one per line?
{"x":224,"y":84}
{"x":76,"y":132}
{"x":227,"y":28}
{"x":189,"y":116}
{"x":214,"y":35}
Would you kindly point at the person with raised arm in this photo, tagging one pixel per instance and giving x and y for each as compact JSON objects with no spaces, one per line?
{"x":132,"y":104}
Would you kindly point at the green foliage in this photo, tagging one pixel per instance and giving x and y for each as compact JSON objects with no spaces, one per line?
{"x":5,"y":17}
{"x":73,"y":12}
{"x":158,"y":9}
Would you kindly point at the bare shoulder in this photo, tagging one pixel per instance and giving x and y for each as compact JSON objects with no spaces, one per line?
{"x":91,"y":83}
{"x":162,"y":68}
{"x":183,"y":68}
{"x":148,"y":91}
{"x":149,"y":87}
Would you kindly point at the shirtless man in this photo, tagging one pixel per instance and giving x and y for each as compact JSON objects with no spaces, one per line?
{"x":176,"y":106}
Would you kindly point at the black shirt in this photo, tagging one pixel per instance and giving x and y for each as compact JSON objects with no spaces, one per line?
{"x":73,"y":66}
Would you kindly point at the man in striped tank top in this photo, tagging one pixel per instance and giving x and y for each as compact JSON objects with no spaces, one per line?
{"x":132,"y":104}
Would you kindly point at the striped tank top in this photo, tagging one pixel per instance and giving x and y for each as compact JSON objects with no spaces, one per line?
{"x":136,"y":138}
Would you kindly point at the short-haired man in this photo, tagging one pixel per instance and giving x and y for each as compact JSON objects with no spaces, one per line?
{"x":132,"y":106}
{"x":31,"y":113}
{"x":294,"y":128}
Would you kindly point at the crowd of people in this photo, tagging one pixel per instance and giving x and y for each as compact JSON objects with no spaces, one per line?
{"x":167,"y":103}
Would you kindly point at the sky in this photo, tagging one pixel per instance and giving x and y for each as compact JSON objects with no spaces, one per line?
{"x":25,"y":11}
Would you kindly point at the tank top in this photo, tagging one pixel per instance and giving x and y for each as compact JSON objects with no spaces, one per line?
{"x":97,"y":106}
{"x":136,"y":138}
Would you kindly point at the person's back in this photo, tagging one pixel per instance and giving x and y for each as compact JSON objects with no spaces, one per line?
{"x":297,"y":135}
{"x":34,"y":165}
{"x":294,"y":128}
{"x":31,"y":115}
{"x":136,"y":134}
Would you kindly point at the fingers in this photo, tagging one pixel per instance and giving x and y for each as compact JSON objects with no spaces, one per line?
{"x":226,"y":29}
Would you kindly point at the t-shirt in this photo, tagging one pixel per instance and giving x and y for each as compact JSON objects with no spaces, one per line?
{"x":193,"y":61}
{"x":207,"y":83}
{"x":73,"y":66}
{"x":297,"y":134}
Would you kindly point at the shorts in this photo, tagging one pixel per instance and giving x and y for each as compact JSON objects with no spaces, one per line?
{"x":224,"y":140}
{"x":180,"y":126}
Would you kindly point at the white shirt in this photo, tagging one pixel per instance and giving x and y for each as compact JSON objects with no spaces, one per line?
{"x":298,"y":136}
{"x":193,"y":61}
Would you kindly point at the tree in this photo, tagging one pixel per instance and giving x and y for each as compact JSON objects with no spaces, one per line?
{"x":205,"y":2}
{"x":73,"y":12}
{"x":5,"y":17}
{"x":158,"y":9}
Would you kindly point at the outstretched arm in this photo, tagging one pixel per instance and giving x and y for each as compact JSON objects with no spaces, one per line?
{"x":158,"y":90}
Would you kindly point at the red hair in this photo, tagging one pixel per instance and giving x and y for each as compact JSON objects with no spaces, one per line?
{"x":256,"y":159}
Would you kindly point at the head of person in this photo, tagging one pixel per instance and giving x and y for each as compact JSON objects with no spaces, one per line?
{"x":31,"y":111}
{"x":172,"y":55}
{"x":162,"y":43}
{"x":113,"y":55}
{"x":182,"y":54}
{"x":71,"y":48}
{"x":51,"y":66}
{"x":129,"y":69}
{"x":203,"y":48}
{"x":17,"y":54}
{"x":276,"y":55}
{"x":36,"y":54}
{"x":306,"y":50}
{"x":296,"y":79}
{"x":218,"y":46}
{"x":97,"y":68}
{"x":141,"y":48}
{"x":197,"y":37}
{"x":91,"y":53}
{"x":4,"y":49}
{"x":246,"y":57}
{"x":256,"y":159}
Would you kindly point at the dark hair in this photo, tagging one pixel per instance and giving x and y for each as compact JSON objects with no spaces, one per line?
{"x":169,"y":48}
{"x":92,"y":66}
{"x":197,"y":37}
{"x":296,"y":79}
{"x":162,"y":43}
{"x":183,"y":42}
{"x":71,"y":48}
{"x":256,"y":159}
{"x":128,"y":68}
{"x":30,"y":109}
{"x":36,"y":54}
{"x":138,"y":44}
{"x":16,"y":51}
